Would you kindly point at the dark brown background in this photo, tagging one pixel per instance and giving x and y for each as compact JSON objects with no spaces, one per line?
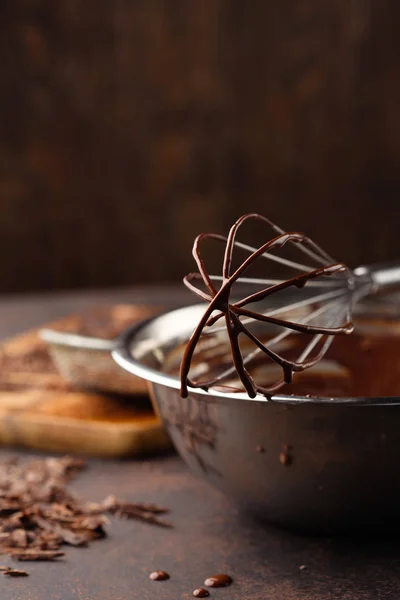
{"x":125,"y":121}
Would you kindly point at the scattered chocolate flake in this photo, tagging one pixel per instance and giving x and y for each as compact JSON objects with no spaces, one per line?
{"x":148,"y":517}
{"x":159,"y":576}
{"x":38,"y":514}
{"x":33,"y":554}
{"x":217,"y":581}
{"x":260,"y":449}
{"x":18,"y":538}
{"x":285,"y":459}
{"x":15,"y":573}
{"x":153,"y":508}
{"x":70,"y":537}
{"x":4,"y":568}
{"x":201,"y":593}
{"x":303,"y":567}
{"x":128,"y":510}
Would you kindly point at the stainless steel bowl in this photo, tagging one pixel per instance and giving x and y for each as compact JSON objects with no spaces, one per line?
{"x":320,"y":465}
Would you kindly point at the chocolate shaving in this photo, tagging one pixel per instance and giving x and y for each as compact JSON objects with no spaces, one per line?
{"x":38,"y":514}
{"x":71,"y":537}
{"x":46,"y":555}
{"x":151,"y":508}
{"x":140,"y":515}
{"x":18,"y":538}
{"x":15,"y":573}
{"x":140,"y":511}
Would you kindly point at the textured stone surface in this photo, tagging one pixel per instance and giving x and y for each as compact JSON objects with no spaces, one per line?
{"x":209,"y":534}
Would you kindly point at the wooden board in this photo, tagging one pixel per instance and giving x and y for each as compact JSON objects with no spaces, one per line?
{"x":39,"y":409}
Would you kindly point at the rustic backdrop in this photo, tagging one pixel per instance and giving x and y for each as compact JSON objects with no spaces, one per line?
{"x":125,"y":122}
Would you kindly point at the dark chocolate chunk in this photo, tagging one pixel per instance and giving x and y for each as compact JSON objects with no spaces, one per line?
{"x":159,"y":576}
{"x":217,"y":581}
{"x":201,"y":593}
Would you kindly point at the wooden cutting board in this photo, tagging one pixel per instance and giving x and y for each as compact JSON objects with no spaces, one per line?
{"x":39,"y":409}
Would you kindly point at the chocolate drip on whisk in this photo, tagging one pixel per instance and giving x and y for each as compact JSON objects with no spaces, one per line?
{"x":220,"y":300}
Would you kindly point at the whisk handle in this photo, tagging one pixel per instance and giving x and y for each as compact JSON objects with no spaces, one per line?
{"x":383,"y":276}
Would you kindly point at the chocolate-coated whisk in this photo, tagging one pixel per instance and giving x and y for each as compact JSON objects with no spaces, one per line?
{"x":320,"y":316}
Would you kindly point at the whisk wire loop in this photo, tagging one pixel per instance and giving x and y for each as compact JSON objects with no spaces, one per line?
{"x":334,"y":278}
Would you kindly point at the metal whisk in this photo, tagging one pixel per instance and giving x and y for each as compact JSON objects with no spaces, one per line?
{"x":262,"y":332}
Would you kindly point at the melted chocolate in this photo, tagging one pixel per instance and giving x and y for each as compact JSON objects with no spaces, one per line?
{"x":364,"y":364}
{"x":201,"y":593}
{"x":159,"y":576}
{"x":369,"y":366}
{"x":217,"y":581}
{"x":219,"y":300}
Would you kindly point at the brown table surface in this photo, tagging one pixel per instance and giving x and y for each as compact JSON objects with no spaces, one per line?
{"x":209,"y":535}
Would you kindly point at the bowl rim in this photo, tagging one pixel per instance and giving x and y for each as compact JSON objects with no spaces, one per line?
{"x":123,"y":357}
